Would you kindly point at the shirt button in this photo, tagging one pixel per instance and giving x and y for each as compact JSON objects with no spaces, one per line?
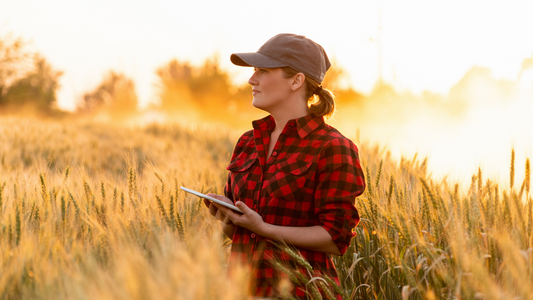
{"x":274,"y":153}
{"x":255,"y":207}
{"x":348,"y":216}
{"x":253,"y":235}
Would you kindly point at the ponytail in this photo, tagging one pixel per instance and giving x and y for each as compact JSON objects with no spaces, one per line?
{"x":321,"y":101}
{"x":325,"y":105}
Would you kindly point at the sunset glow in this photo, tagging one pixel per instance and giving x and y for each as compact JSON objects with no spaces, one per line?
{"x":415,"y":46}
{"x":108,"y":107}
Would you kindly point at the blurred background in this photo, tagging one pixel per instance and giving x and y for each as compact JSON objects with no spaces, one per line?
{"x":447,"y":80}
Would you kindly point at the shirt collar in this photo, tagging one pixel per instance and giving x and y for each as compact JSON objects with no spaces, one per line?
{"x":308,"y":124}
{"x":266,"y":123}
{"x":304,"y":125}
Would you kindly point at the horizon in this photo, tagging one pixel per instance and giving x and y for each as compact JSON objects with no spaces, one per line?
{"x":414,"y":46}
{"x":476,"y":52}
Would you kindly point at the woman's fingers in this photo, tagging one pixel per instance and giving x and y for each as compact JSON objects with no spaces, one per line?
{"x":222,"y":217}
{"x":236,"y":218}
{"x":249,"y":219}
{"x":213,"y":210}
{"x":207,"y":203}
{"x":224,"y":210}
{"x":245,"y":209}
{"x":220,"y":212}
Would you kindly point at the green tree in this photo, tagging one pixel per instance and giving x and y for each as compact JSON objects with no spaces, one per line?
{"x":13,"y":58}
{"x":174,"y":85}
{"x":37,"y":88}
{"x":181,"y":82}
{"x":26,"y":78}
{"x":205,"y":92}
{"x":115,"y":94}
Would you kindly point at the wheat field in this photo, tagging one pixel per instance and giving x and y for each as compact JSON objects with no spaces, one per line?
{"x":93,"y":211}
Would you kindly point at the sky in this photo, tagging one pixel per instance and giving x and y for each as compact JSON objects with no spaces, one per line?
{"x":424,"y":45}
{"x":414,"y":45}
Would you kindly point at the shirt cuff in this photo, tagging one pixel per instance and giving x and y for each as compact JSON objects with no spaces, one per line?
{"x":341,"y":231}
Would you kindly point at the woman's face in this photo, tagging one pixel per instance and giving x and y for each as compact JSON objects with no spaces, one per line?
{"x":269,"y":88}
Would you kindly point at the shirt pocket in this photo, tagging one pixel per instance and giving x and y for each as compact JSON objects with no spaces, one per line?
{"x":289,"y":181}
{"x":240,"y":170}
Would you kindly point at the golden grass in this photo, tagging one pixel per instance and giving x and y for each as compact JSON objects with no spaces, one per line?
{"x":93,"y":211}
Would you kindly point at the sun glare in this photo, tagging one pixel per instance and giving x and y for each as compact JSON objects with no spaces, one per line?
{"x":468,"y":55}
{"x":477,"y":124}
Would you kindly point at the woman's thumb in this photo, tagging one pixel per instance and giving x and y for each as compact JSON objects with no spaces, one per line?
{"x":242,"y":206}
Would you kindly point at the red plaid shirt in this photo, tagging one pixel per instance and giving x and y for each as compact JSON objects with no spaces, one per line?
{"x":311,"y":178}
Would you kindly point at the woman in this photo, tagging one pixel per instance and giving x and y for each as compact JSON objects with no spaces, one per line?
{"x":294,"y":177}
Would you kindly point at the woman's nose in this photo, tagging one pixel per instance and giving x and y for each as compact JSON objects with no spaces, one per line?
{"x":252,"y":80}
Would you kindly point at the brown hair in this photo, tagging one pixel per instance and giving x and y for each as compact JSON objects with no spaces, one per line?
{"x":325,"y":105}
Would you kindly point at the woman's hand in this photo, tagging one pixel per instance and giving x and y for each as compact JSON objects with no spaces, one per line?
{"x":214,"y":211}
{"x":314,"y":238}
{"x":249,"y":219}
{"x":228,"y":228}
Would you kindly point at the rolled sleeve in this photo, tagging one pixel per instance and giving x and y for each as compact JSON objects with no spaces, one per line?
{"x":340,"y":180}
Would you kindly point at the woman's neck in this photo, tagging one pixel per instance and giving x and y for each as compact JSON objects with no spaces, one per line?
{"x":281,"y":117}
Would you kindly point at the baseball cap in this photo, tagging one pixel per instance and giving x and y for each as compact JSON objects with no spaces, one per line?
{"x":288,"y":50}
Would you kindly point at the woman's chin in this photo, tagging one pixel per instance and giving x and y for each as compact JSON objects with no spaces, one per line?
{"x":257,"y":105}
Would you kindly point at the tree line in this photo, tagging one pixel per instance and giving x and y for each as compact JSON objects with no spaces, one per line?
{"x":27,"y":80}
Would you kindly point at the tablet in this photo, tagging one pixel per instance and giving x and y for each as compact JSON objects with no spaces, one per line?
{"x":211,"y":199}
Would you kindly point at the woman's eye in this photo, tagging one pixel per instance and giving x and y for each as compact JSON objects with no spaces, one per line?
{"x":260,"y":70}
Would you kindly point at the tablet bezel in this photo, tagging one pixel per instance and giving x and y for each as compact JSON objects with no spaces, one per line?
{"x":211,"y":199}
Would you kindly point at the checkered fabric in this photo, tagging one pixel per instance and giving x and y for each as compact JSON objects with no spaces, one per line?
{"x":311,"y":178}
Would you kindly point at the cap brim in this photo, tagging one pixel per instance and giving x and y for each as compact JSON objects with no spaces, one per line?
{"x":255,"y":59}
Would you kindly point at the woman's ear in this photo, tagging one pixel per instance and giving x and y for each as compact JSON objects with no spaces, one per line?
{"x":298,"y":81}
